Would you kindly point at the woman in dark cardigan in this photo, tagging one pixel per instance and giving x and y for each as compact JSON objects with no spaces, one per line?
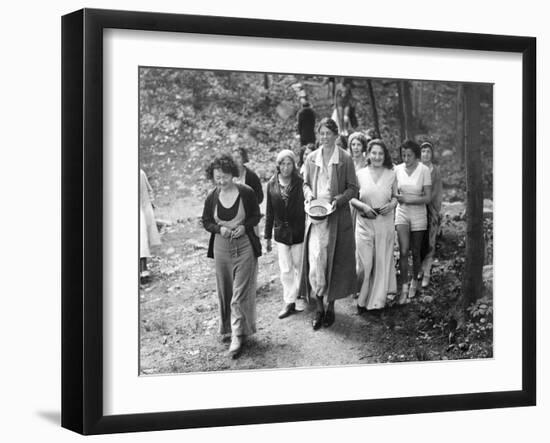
{"x":285,"y":212}
{"x":231,"y":212}
{"x":246,"y":175}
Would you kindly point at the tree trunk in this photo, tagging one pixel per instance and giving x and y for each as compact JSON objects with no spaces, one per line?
{"x":374,"y":110}
{"x":419,"y":100}
{"x":401,"y":113}
{"x":472,"y":283}
{"x":459,"y":141}
{"x":266,"y":81}
{"x":406,"y":114}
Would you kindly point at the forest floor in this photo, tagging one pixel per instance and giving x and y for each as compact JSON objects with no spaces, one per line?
{"x":179,"y":312}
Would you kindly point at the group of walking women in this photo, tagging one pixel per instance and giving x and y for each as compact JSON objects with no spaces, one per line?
{"x":322,"y":259}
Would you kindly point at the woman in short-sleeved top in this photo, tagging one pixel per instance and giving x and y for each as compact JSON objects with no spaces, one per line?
{"x":413,"y":193}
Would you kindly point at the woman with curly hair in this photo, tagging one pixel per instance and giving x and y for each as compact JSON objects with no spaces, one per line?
{"x":374,"y":229}
{"x":231,"y":212}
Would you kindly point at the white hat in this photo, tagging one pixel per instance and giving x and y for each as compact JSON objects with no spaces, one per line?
{"x":286,"y":153}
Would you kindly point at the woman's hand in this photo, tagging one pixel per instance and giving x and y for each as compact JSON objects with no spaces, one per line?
{"x":386,"y":209}
{"x":237,"y":232}
{"x":368,"y":211}
{"x":225,"y":232}
{"x":268,"y":246}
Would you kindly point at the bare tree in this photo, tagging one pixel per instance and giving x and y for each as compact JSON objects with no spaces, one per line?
{"x":472,"y":283}
{"x":405,"y":109}
{"x":460,"y":132}
{"x":374,"y":109}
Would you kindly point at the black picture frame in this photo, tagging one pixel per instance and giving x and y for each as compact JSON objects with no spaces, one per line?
{"x":82,"y":220}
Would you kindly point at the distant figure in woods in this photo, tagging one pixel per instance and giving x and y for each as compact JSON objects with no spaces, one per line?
{"x":434,"y":208}
{"x":246,"y":175}
{"x":148,"y":232}
{"x":328,"y":266}
{"x":414,"y":187}
{"x":231,"y":212}
{"x":306,"y":123}
{"x":344,"y":110}
{"x":374,"y":228}
{"x":285,"y":214}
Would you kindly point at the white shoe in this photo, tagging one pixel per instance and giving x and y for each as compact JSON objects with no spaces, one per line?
{"x":412,"y":288}
{"x":425,"y":281}
{"x":235,"y":346}
{"x":404,"y":293}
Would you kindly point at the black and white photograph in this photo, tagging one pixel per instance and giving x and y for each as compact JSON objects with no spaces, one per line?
{"x":294,"y":220}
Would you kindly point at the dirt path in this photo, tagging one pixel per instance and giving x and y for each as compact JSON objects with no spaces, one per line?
{"x":179,"y":317}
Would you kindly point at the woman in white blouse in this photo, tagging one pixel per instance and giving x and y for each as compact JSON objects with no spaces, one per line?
{"x":414,"y":187}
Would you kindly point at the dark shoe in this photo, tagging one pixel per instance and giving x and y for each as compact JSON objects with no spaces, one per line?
{"x":287,"y":310}
{"x":361,"y":310}
{"x":374,"y":312}
{"x":328,"y":319}
{"x":317,"y":320}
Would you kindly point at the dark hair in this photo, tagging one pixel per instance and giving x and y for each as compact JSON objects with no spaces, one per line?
{"x":342,"y":139}
{"x":243,"y":152}
{"x":387,"y":157}
{"x":311,"y":147}
{"x":224,"y":163}
{"x":329,"y":123}
{"x":358,"y":136}
{"x":371,"y":134}
{"x":413,"y":146}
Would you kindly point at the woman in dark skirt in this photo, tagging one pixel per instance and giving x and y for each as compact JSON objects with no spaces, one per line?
{"x":231,"y":212}
{"x":285,"y":213}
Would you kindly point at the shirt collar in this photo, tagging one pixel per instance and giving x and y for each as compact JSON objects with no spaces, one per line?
{"x":334,"y":159}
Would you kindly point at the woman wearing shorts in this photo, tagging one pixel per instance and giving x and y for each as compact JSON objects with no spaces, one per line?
{"x":414,"y":185}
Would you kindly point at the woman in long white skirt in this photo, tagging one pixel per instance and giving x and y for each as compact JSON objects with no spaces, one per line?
{"x":148,"y":232}
{"x":374,"y":228}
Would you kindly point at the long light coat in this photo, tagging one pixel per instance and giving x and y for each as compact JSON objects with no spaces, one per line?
{"x":341,"y":278}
